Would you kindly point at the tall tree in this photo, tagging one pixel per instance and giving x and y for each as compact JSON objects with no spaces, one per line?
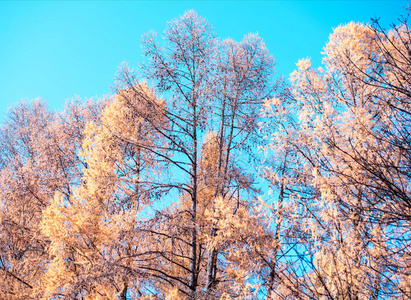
{"x":210,"y":86}
{"x":183,"y":72}
{"x":94,"y":233}
{"x":243,"y":79}
{"x":350,"y":134}
{"x":38,"y":156}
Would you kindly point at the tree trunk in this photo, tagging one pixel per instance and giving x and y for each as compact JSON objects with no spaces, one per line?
{"x":193,"y":212}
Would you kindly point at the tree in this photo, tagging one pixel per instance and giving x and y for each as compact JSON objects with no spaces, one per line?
{"x":204,"y":82}
{"x":93,"y":233}
{"x":243,"y":79}
{"x":352,"y":130}
{"x":38,"y":156}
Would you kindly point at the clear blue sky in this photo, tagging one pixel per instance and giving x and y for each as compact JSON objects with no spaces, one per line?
{"x":58,"y":49}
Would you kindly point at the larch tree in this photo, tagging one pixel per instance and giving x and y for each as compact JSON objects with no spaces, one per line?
{"x":243,"y":79}
{"x":39,"y":156}
{"x":24,"y":193}
{"x":94,"y":234}
{"x":352,"y":130}
{"x":182,"y":73}
{"x":209,"y":86}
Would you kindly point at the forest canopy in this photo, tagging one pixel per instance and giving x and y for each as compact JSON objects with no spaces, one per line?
{"x":206,"y":175}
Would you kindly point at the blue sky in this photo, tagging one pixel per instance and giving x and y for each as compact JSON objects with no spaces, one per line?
{"x":58,"y":49}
